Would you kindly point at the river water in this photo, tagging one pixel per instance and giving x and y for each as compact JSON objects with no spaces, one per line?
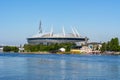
{"x":14,"y":66}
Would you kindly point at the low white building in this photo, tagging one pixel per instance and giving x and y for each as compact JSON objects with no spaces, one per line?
{"x":21,"y":49}
{"x":62,"y":49}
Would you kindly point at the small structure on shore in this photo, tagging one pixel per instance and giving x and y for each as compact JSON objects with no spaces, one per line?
{"x":62,"y":49}
{"x":85,"y":49}
{"x":75,"y":51}
{"x":94,"y":45}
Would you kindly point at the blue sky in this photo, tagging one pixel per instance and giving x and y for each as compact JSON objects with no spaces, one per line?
{"x":99,"y":20}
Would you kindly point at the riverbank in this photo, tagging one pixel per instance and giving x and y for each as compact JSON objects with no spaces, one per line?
{"x":45,"y":52}
{"x":35,"y":52}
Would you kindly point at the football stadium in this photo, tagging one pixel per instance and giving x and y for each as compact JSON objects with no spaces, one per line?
{"x":51,"y":37}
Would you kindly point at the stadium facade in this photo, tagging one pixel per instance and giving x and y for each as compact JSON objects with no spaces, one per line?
{"x":50,"y":37}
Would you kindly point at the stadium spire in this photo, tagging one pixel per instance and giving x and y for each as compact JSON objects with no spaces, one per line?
{"x":40,"y":28}
{"x":63,"y":31}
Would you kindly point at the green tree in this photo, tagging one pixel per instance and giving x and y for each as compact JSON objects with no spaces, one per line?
{"x":10,"y":48}
{"x":7,"y":49}
{"x":112,"y":45}
{"x":103,"y":48}
{"x":14,"y":49}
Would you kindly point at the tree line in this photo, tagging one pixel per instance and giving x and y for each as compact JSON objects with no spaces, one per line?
{"x":112,"y":45}
{"x":10,"y":49}
{"x":48,"y":48}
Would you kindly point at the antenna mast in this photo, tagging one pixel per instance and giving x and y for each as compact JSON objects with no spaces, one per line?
{"x":40,"y":28}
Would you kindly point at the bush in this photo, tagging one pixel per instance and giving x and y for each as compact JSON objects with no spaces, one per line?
{"x":10,"y":49}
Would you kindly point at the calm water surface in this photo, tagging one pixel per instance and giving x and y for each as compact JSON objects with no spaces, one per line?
{"x":59,"y":67}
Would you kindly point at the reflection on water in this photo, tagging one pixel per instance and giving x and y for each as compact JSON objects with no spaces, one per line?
{"x":59,"y":67}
